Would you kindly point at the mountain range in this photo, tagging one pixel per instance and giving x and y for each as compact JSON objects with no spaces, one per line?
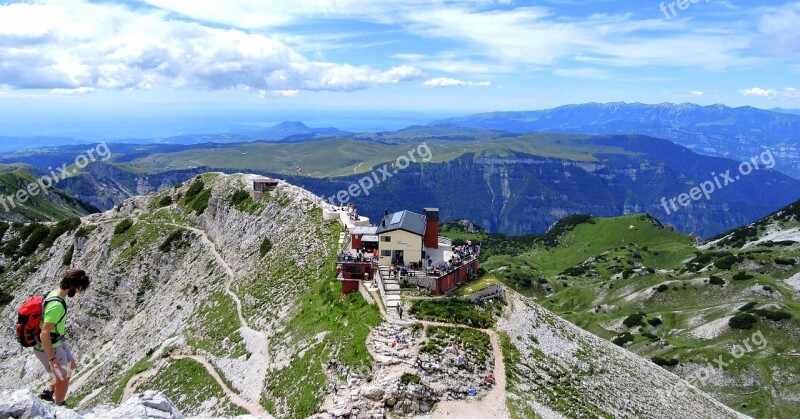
{"x":716,"y":130}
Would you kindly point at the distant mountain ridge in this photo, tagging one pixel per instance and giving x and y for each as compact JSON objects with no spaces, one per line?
{"x":715,"y":130}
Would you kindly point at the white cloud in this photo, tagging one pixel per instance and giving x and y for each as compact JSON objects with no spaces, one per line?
{"x":448,"y":82}
{"x":698,"y":92}
{"x":534,"y":36}
{"x":78,"y":91}
{"x":788,"y":93}
{"x":79,"y":44}
{"x":278,"y":93}
{"x":778,"y":32}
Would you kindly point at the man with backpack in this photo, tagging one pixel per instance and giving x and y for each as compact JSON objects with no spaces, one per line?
{"x":50,"y":348}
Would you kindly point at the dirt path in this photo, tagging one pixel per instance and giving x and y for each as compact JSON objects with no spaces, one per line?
{"x":137,"y":379}
{"x":493,"y":405}
{"x":257,"y":342}
{"x":255,"y":409}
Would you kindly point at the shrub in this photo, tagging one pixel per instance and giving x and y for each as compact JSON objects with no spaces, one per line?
{"x":748,"y":306}
{"x":407,"y":378}
{"x":786,"y":262}
{"x":664,"y":362}
{"x":655,"y":321}
{"x":634,"y":320}
{"x":85,"y":230}
{"x":726,"y":262}
{"x":60,"y":228}
{"x":715,"y":280}
{"x":575,"y":271}
{"x":238,"y":197}
{"x":35,"y":238}
{"x":742,"y":276}
{"x":453,"y":310}
{"x":773,"y":314}
{"x":200,"y":202}
{"x":67,"y":260}
{"x":165,"y":200}
{"x":652,"y":337}
{"x":123,"y":226}
{"x":174,"y":238}
{"x":662,"y":288}
{"x":266,"y":246}
{"x":195,"y":188}
{"x":742,"y":321}
{"x":623,"y":339}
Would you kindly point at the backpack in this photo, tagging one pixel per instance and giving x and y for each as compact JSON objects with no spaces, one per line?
{"x":29,"y":319}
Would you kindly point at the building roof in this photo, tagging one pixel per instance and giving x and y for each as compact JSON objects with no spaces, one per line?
{"x":403,"y":220}
{"x":364,"y":230}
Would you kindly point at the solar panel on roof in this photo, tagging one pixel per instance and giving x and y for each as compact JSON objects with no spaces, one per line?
{"x":396,"y":218}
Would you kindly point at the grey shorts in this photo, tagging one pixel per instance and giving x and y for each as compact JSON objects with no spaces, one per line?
{"x":63,"y":355}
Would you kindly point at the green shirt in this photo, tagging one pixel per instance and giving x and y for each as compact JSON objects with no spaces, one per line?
{"x":53,"y":312}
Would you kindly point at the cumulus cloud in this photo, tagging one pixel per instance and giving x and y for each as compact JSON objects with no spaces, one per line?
{"x":778,"y":33}
{"x":278,"y":93}
{"x":448,"y":82}
{"x":789,"y":93}
{"x":75,"y":44}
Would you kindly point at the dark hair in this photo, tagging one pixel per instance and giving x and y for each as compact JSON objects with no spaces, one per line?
{"x":75,"y":279}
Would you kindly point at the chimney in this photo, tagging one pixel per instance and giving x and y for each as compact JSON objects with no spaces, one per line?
{"x":432,"y":228}
{"x":385,"y":212}
{"x":383,"y":223}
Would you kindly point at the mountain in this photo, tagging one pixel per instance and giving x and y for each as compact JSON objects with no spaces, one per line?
{"x":516,"y":192}
{"x":510,"y":183}
{"x":293,"y":131}
{"x":722,"y":314}
{"x":49,"y":204}
{"x":229,"y":306}
{"x":789,"y":111}
{"x":716,"y":130}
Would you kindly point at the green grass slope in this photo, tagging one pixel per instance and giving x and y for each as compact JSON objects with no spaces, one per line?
{"x":666,"y":297}
{"x":54,"y":205}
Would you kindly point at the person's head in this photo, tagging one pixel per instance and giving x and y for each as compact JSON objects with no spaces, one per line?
{"x":74,"y":280}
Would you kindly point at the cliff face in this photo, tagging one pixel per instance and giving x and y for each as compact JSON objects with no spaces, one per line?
{"x":521,"y":193}
{"x":104,"y":185}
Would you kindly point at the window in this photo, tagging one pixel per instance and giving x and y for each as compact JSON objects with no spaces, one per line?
{"x":386,"y":238}
{"x":386,"y":252}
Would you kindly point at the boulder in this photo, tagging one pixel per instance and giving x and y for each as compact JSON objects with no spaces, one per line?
{"x":373,"y":393}
{"x":23,"y":404}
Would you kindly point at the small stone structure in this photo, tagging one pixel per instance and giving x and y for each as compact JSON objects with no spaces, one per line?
{"x":262,"y":187}
{"x":494,"y":291}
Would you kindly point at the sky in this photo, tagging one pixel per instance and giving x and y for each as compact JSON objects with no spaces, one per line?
{"x":77,"y":66}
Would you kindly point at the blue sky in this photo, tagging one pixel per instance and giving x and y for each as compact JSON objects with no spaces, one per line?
{"x":76,"y":60}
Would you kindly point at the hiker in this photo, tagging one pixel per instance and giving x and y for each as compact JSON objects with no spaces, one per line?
{"x":52,"y":351}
